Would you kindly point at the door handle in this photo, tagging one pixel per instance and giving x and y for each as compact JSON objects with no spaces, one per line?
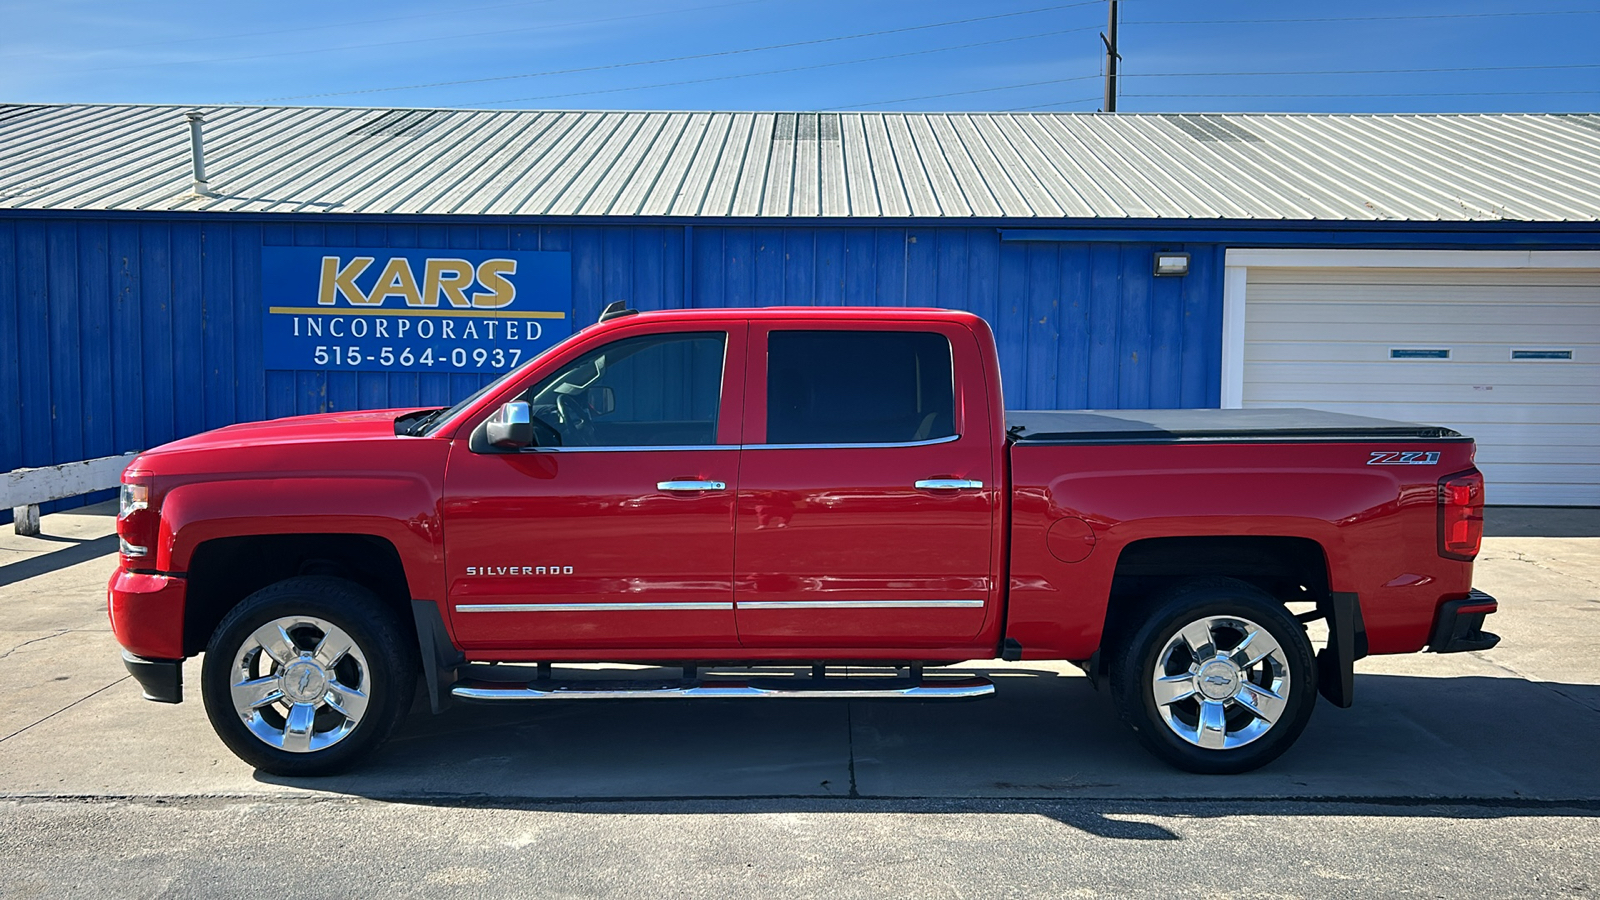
{"x":688,"y":486}
{"x":948,"y":484}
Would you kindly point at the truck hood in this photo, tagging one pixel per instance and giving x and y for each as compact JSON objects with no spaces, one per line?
{"x":314,"y":429}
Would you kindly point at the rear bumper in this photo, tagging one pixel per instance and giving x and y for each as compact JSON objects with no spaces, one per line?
{"x":161,"y":679}
{"x":147,"y":613}
{"x":1458,"y":626}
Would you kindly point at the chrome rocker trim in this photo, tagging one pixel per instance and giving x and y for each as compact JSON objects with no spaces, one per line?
{"x":942,"y":689}
{"x":746,"y":604}
{"x":587,"y":607}
{"x":860,"y":604}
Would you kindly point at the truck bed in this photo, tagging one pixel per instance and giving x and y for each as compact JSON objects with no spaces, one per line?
{"x":1169,"y":426}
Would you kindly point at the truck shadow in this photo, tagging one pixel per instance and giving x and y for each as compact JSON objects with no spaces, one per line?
{"x":1046,"y":744}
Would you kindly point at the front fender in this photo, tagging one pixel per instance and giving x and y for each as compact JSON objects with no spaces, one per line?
{"x":399,"y":507}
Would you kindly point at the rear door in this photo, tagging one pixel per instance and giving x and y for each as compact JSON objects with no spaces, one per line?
{"x":868,"y":490}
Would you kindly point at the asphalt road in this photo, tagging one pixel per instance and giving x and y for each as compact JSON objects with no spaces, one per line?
{"x":1469,"y":774}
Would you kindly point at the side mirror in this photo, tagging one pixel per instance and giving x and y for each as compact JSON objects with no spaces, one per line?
{"x":602,"y":401}
{"x":511,"y":426}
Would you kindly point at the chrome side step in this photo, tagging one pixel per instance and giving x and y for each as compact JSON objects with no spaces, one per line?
{"x":832,"y":689}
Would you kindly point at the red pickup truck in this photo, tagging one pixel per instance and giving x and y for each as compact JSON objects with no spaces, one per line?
{"x":729,"y":495}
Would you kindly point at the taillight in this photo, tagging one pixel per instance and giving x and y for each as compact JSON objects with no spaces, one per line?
{"x":1461,"y":515}
{"x":137,"y":522}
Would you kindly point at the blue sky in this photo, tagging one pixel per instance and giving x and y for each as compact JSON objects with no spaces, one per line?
{"x":841,"y":54}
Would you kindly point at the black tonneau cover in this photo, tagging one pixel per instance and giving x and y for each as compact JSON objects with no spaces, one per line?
{"x":1163,"y":426}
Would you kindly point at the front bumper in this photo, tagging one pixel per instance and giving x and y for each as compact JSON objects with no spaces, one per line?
{"x":146,"y":612}
{"x":1458,"y":626}
{"x":161,"y":679}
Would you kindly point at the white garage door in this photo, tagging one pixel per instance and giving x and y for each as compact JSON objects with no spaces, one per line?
{"x":1510,"y":357}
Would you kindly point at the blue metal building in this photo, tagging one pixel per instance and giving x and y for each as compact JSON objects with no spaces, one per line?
{"x":142,"y":263}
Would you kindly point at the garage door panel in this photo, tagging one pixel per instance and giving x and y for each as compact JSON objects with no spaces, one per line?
{"x":1486,"y":346}
{"x":1295,"y":387}
{"x":1502,"y":493}
{"x":1544,"y":311}
{"x":1535,"y":452}
{"x":1522,"y":279}
{"x":1542,"y":473}
{"x":1467,"y":300}
{"x":1322,"y":338}
{"x":1515,"y":440}
{"x":1402,"y":335}
{"x":1465,"y":414}
{"x":1583,"y":368}
{"x":1483,"y":353}
{"x":1463,"y":297}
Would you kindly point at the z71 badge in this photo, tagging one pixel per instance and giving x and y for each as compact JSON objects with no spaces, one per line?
{"x":1404,"y":458}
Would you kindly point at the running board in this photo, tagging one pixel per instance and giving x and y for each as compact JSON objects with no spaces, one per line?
{"x":831,"y":688}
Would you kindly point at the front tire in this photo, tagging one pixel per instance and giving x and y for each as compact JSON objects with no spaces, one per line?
{"x":307,"y":676}
{"x":1219,"y":679}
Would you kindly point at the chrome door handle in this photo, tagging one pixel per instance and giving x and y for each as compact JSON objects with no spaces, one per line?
{"x":691,"y":486}
{"x":948,"y":484}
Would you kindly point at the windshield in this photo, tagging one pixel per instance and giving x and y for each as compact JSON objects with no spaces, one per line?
{"x":431,"y":423}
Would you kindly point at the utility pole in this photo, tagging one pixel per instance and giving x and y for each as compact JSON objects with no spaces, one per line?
{"x":1109,"y":38}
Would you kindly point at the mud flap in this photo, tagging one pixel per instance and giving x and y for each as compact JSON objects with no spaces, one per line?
{"x":439,"y":657}
{"x":1347,"y":642}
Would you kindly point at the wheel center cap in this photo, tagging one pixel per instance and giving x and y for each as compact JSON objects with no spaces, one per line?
{"x":303,"y":681}
{"x":1218,"y":680}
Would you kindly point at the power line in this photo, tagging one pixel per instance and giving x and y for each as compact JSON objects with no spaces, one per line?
{"x":1057,"y":103}
{"x":1554,"y":12}
{"x":250,"y":34}
{"x":792,"y":69}
{"x":783,"y":71}
{"x":471,"y":9}
{"x":1005,"y":87}
{"x":426,"y":40}
{"x":696,"y":56}
{"x":1361,"y":71}
{"x":1412,"y":94}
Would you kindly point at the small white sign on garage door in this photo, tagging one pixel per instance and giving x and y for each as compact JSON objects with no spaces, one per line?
{"x":1508,"y":355}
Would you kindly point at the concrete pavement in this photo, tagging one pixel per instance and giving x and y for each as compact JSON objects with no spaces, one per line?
{"x":839,"y":849}
{"x":1444,"y":763}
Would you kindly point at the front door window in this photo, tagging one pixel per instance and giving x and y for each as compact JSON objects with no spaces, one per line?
{"x":659,"y":390}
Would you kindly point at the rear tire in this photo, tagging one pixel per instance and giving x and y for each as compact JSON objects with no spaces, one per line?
{"x":1219,"y":679}
{"x":307,"y":676}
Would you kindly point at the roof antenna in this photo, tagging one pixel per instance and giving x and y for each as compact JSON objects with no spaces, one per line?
{"x":616,"y":309}
{"x":197,"y":153}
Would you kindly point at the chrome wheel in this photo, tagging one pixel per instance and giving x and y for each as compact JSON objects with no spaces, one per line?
{"x":300,"y":684}
{"x":1221,"y":682}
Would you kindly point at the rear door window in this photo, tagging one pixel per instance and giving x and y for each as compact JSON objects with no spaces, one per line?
{"x":859,"y":387}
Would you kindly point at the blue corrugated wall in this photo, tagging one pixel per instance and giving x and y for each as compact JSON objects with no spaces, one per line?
{"x":121,"y":334}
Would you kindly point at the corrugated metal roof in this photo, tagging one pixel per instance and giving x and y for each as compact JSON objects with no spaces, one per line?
{"x":1532,"y":168}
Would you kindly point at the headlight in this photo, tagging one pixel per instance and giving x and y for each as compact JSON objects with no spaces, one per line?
{"x":134,"y":497}
{"x":136,"y":522}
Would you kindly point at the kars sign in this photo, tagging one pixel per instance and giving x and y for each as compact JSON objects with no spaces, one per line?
{"x":410,"y":310}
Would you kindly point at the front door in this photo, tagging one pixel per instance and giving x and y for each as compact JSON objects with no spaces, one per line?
{"x":868,"y":496}
{"x":617,"y":531}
